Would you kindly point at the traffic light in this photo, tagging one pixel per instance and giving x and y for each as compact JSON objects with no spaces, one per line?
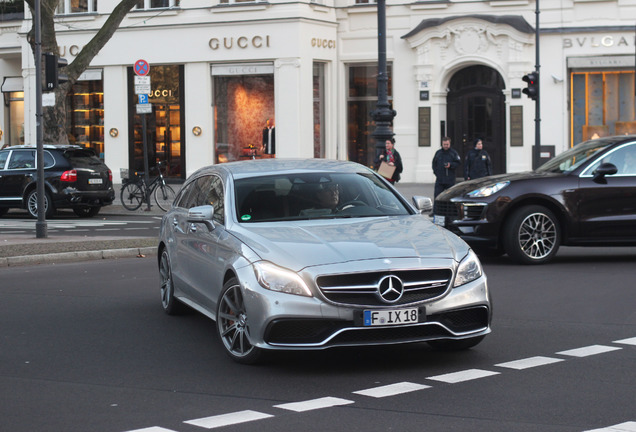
{"x":532,"y":90}
{"x":52,"y":75}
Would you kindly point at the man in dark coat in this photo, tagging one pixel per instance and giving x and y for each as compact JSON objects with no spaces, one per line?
{"x":477,"y":162}
{"x":391,"y":156}
{"x":445,"y":162}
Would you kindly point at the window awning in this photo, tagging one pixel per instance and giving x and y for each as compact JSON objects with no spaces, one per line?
{"x":12,"y":84}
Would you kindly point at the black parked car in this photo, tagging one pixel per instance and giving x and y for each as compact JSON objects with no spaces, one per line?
{"x":74,"y":178}
{"x":585,"y":196}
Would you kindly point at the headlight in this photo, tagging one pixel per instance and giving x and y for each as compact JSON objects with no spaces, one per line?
{"x":279,"y":279}
{"x":486,"y":191}
{"x":469,"y":269}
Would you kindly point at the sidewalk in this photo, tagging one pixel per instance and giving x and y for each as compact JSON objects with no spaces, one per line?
{"x":25,"y":249}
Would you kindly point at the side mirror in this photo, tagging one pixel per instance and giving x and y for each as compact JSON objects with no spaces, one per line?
{"x":423,"y":204}
{"x":603,"y":170}
{"x":202,"y":214}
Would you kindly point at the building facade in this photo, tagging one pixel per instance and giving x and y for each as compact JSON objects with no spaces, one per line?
{"x":233,"y":80}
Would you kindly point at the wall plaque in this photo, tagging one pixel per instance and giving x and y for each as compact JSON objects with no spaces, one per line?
{"x":516,"y":126}
{"x":424,"y":127}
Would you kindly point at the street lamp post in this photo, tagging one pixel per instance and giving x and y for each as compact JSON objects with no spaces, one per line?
{"x":40,"y":225}
{"x":383,"y":115}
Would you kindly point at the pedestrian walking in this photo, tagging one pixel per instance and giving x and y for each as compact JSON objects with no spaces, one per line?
{"x":477,"y":163}
{"x":445,"y":162}
{"x":391,"y":156}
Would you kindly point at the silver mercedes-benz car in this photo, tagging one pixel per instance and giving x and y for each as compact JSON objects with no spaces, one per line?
{"x":311,"y":254}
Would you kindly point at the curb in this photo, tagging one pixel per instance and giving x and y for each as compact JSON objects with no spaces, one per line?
{"x":54,"y":258}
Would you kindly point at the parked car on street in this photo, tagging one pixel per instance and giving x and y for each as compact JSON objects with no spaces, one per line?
{"x":312,"y":254}
{"x":586,"y":196}
{"x":74,"y":177}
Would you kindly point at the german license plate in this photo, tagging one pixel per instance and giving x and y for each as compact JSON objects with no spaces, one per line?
{"x":95,"y":181}
{"x":390,"y":317}
{"x":439,"y":220}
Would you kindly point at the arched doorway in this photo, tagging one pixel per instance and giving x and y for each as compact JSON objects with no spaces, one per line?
{"x":476,"y":109}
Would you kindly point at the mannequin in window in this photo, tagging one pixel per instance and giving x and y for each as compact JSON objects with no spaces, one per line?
{"x":269,"y":138}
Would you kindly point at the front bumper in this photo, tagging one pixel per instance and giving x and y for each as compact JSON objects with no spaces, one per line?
{"x":470,"y":221}
{"x":291,"y":322}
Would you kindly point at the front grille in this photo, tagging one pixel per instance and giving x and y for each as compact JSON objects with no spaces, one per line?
{"x":447,"y":209}
{"x":463,"y":320}
{"x":362,"y":288}
{"x":473,"y":211}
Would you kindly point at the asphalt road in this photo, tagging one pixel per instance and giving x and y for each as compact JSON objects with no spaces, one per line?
{"x":86,"y":347}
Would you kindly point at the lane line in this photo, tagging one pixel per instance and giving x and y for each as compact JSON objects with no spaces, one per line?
{"x":152,"y":429}
{"x":391,"y":389}
{"x":325,"y":402}
{"x":622,"y":427}
{"x":630,"y":341}
{"x":588,"y":350}
{"x":529,"y":362}
{"x":228,"y":419}
{"x":467,"y":375}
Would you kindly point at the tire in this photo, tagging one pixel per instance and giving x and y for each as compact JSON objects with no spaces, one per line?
{"x":32,"y":204}
{"x":171,"y":305}
{"x":164,"y":197}
{"x":232,"y":324}
{"x":132,"y":196}
{"x":86,"y":212}
{"x":456,"y":345}
{"x":532,"y":235}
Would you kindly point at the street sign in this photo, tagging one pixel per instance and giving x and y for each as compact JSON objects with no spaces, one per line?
{"x":142,"y":89}
{"x":139,"y":80}
{"x":144,"y":108}
{"x":142,"y":67}
{"x":143,"y":98}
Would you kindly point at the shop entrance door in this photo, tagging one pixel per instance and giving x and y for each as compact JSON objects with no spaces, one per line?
{"x":476,"y":109}
{"x":165,"y":141}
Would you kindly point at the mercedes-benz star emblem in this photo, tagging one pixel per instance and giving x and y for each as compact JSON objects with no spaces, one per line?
{"x":390,"y":288}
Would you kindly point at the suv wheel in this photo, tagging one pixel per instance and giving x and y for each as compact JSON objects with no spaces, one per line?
{"x":532,"y":235}
{"x":86,"y":212}
{"x":32,"y":204}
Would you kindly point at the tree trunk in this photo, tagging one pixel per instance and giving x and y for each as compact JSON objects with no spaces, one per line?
{"x":54,"y":117}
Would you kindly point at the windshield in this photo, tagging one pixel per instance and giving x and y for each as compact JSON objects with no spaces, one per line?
{"x":573,"y":158}
{"x":302,"y":196}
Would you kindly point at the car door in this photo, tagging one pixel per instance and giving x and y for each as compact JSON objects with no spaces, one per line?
{"x":18,"y":173}
{"x":607,"y":206}
{"x":201,"y":245}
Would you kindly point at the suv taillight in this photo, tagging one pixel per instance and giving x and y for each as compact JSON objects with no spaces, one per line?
{"x":110,"y":176}
{"x":69,"y":176}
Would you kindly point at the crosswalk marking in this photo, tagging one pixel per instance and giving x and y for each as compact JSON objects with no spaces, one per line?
{"x":629,"y":341}
{"x":391,"y":389}
{"x":588,"y":351}
{"x":529,"y":362}
{"x":622,"y":427}
{"x":467,"y":375}
{"x":228,"y":419}
{"x":325,"y":402}
{"x":152,"y":429}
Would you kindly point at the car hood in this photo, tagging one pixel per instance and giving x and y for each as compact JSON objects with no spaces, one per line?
{"x":296,"y":245}
{"x":461,"y":189}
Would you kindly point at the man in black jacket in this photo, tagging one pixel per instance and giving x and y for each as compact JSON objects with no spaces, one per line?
{"x":477,"y":162}
{"x":445,"y":161}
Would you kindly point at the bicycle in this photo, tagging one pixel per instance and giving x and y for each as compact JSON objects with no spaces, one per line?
{"x":134,"y":191}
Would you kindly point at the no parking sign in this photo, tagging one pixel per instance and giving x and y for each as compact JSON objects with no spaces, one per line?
{"x":142,"y":67}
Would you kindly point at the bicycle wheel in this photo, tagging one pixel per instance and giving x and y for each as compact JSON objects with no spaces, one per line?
{"x":164,"y":196}
{"x":132,"y":196}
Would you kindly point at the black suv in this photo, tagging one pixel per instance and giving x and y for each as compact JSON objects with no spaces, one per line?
{"x":74,"y":178}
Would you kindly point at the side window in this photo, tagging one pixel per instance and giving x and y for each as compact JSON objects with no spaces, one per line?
{"x":3,"y":159}
{"x":184,"y":195}
{"x":215,"y":197}
{"x":48,"y":160}
{"x":628,"y":167}
{"x":22,"y":159}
